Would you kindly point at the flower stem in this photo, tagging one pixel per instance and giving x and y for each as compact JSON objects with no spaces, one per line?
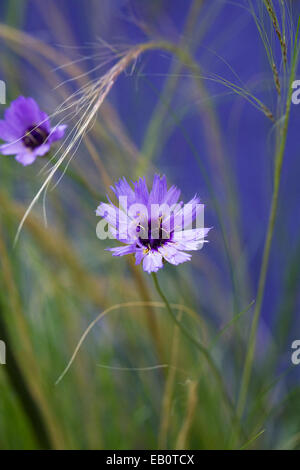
{"x":175,"y":319}
{"x":268,"y":242}
{"x":201,"y":348}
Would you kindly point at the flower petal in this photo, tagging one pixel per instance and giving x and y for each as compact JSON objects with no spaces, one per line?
{"x":185,"y":216}
{"x":24,"y":113}
{"x":8,"y":133}
{"x":26,"y":158}
{"x":57,"y":133}
{"x":141,"y":191}
{"x":117,"y":219}
{"x":122,"y":188}
{"x":159,"y":190}
{"x":172,"y":196}
{"x":172,"y":255}
{"x":12,"y":149}
{"x":139,"y":255}
{"x":190,"y":239}
{"x":152,"y":262}
{"x":122,"y":250}
{"x":43,"y":121}
{"x":180,"y":257}
{"x":42,"y":150}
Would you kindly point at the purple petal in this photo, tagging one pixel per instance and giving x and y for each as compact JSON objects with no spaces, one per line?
{"x":172,"y":255}
{"x":180,"y":257}
{"x":159,"y":190}
{"x":12,"y":149}
{"x":42,"y":150}
{"x":108,"y":212}
{"x":26,"y":158}
{"x":57,"y":133}
{"x":24,"y":113}
{"x":122,"y":250}
{"x":122,"y":188}
{"x":152,"y":262}
{"x":190,"y":239}
{"x":44,"y":121}
{"x":8,"y":133}
{"x":139,"y":255}
{"x":185,"y":216}
{"x":116,"y":218}
{"x":172,"y":196}
{"x":141,"y":191}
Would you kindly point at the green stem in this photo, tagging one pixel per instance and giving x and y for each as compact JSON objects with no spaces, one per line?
{"x":201,"y":348}
{"x":268,"y":242}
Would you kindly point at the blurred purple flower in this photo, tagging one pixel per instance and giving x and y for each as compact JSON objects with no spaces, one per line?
{"x":153,"y":236}
{"x":27,"y":131}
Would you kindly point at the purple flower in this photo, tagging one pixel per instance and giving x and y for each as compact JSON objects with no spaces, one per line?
{"x":27,"y":131}
{"x":153,"y":225}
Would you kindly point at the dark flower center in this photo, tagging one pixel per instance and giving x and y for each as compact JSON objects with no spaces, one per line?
{"x":155,"y":238}
{"x":35,"y":137}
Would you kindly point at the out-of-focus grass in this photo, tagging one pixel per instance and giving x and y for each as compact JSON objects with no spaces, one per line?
{"x":58,"y":278}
